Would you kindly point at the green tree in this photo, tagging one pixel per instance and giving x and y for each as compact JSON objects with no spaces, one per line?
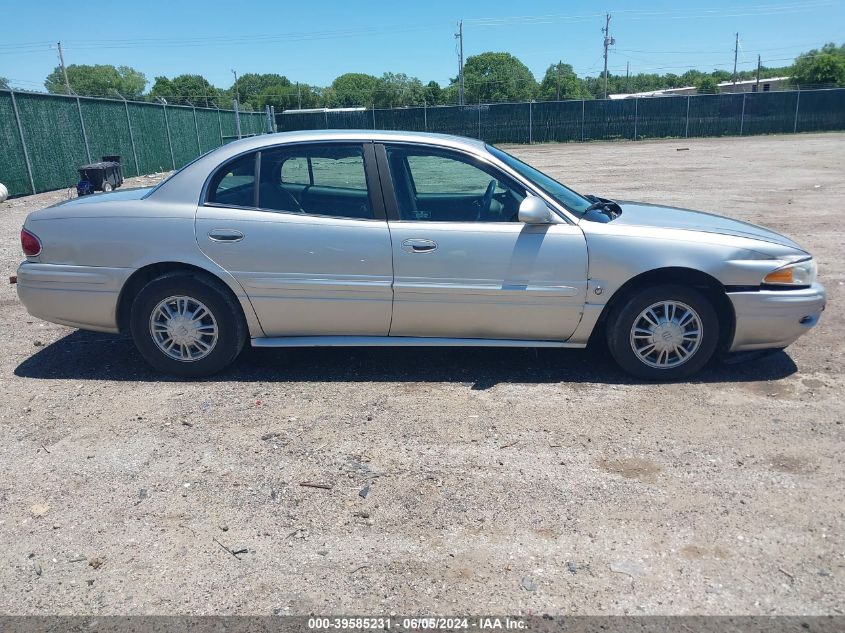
{"x":162,"y":87}
{"x":492,"y":77}
{"x":559,"y":83}
{"x":823,"y":67}
{"x":251,"y":85}
{"x":4,"y":83}
{"x":394,"y":90}
{"x":351,"y":89}
{"x":673,"y":81}
{"x":433,"y":94}
{"x":721,"y":75}
{"x":707,"y":85}
{"x":450,"y":94}
{"x":289,"y":97}
{"x":101,"y":80}
{"x":186,"y":89}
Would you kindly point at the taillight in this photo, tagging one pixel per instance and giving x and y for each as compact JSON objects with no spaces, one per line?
{"x":30,"y":244}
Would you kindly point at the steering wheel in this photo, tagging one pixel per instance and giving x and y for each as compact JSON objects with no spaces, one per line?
{"x":487,"y":199}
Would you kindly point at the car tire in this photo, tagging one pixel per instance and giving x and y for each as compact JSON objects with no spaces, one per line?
{"x":663,"y":333}
{"x":107,"y":186}
{"x":186,"y":324}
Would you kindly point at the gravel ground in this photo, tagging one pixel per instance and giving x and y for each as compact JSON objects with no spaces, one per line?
{"x":506,"y":481}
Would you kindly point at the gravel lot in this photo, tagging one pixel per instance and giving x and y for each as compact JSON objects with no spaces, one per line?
{"x":506,"y":481}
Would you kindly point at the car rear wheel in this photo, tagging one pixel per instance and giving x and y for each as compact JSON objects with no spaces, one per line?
{"x":186,"y":324}
{"x":666,"y":332}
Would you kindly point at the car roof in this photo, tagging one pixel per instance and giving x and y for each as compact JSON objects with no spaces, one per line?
{"x":186,"y":184}
{"x":385,"y":136}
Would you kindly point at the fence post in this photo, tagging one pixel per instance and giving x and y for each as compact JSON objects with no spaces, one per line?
{"x":530,"y":123}
{"x":479,"y":120}
{"x":167,"y":128}
{"x":273,"y":120}
{"x":131,"y":136}
{"x":797,"y":101}
{"x":219,"y":125}
{"x":269,"y":120}
{"x":197,"y":129}
{"x":686,"y":129}
{"x":583,"y":101}
{"x":236,"y":106}
{"x":374,"y":117}
{"x":84,"y":133}
{"x":23,"y":141}
{"x":636,"y":115}
{"x":742,"y":115}
{"x":425,"y":116}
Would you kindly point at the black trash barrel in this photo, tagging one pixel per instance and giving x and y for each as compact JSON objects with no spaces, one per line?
{"x":103,"y":176}
{"x":115,"y":159}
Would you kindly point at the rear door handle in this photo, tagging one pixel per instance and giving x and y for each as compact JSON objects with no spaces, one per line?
{"x":419,"y":246}
{"x":225,"y":235}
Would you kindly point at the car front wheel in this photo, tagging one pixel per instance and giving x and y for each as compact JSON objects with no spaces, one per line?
{"x":666,"y":332}
{"x":185,"y":324}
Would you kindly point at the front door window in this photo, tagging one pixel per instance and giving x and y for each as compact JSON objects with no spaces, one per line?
{"x":442,"y":186}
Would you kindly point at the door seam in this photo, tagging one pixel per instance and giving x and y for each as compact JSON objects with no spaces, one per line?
{"x":390,"y":238}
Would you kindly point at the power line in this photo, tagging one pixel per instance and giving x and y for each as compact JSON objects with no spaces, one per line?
{"x":647,"y":14}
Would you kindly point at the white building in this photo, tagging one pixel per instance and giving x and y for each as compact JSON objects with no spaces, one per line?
{"x":746,"y":85}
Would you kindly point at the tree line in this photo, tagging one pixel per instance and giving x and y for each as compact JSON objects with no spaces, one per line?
{"x":488,"y":78}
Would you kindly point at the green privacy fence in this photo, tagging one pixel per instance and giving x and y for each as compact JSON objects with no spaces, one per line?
{"x":45,"y":138}
{"x":637,"y":118}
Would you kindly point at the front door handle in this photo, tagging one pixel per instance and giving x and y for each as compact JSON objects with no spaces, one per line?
{"x":419,"y":246}
{"x":225,"y":235}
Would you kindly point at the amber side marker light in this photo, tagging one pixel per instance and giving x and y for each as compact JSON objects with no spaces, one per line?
{"x":780,"y":276}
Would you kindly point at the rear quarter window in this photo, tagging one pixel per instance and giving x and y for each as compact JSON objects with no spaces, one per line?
{"x":234,"y":183}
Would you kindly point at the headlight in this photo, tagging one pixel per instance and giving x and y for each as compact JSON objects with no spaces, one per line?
{"x":801,"y":273}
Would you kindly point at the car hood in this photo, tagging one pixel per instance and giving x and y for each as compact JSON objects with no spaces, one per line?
{"x":658,"y":216}
{"x":113,"y":196}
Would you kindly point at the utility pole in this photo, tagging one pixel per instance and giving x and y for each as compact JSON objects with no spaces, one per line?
{"x":608,"y":41}
{"x":627,"y":76}
{"x":736,"y":52}
{"x":237,"y":93}
{"x":460,"y":37}
{"x":757,"y":85}
{"x":64,"y":70}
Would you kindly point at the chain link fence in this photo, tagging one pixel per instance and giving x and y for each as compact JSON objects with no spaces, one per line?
{"x":634,"y":118}
{"x":46,"y":138}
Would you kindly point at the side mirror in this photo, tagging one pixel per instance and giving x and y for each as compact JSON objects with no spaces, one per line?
{"x":533,"y":210}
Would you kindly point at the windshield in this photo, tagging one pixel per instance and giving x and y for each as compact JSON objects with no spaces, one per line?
{"x":570,"y":200}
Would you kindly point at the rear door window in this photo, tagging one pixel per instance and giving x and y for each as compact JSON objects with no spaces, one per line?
{"x":320,"y":179}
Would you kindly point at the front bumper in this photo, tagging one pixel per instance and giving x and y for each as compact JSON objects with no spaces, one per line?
{"x":774,"y":318}
{"x":79,"y":296}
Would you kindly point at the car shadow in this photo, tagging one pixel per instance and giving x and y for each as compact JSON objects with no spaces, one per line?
{"x":92,"y":356}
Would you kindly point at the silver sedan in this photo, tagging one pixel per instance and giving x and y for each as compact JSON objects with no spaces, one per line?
{"x":404,"y":239}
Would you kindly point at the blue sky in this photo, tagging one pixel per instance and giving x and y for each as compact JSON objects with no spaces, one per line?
{"x":313,"y":42}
